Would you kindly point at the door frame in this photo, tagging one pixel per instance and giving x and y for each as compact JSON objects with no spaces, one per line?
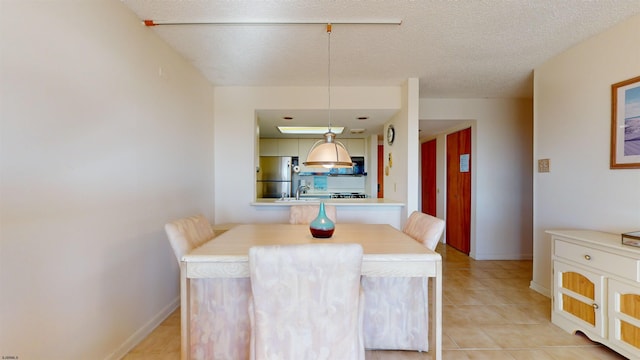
{"x":441,"y":181}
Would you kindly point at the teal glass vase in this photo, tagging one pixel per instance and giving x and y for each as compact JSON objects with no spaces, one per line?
{"x":322,"y":227}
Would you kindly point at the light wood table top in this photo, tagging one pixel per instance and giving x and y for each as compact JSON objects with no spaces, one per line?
{"x":387,"y":251}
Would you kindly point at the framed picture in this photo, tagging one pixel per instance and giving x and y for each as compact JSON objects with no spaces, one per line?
{"x":625,"y":124}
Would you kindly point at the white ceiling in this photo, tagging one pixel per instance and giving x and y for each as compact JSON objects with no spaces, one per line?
{"x":457,"y":49}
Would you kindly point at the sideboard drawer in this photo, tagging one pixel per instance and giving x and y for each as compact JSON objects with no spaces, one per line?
{"x":622,"y":266}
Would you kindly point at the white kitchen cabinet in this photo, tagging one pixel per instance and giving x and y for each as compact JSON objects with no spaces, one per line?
{"x":596,"y":288}
{"x":356,"y":147}
{"x":278,"y":147}
{"x":301,"y":147}
{"x":287,"y":147}
{"x":304,"y":145}
{"x":268,"y":147}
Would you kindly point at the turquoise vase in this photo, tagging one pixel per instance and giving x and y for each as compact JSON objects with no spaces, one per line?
{"x":322,"y":226}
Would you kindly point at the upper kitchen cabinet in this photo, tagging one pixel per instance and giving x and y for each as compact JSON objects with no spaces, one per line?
{"x":356,"y":147}
{"x":288,"y":147}
{"x":304,"y":145}
{"x":268,"y":147}
{"x":301,"y":147}
{"x":278,"y":147}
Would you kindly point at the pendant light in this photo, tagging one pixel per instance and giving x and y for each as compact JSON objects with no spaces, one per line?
{"x":329,"y":153}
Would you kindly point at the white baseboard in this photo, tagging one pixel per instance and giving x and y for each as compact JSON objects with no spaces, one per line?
{"x":541,"y":289}
{"x":477,"y":256}
{"x":144,"y":331}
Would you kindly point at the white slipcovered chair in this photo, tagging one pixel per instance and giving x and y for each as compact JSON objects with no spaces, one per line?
{"x":225,"y":300}
{"x":306,"y":302}
{"x":188,"y":233}
{"x":424,"y":228}
{"x":396,"y":315}
{"x":305,"y":214}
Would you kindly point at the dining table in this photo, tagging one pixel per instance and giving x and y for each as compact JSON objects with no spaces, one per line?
{"x":215,"y":284}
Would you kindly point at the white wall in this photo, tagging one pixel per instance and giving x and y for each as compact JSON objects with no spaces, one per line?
{"x":372,"y":165}
{"x":235,"y":138}
{"x":97,"y":152}
{"x":402,"y":183}
{"x":572,"y":108}
{"x":501,"y":166}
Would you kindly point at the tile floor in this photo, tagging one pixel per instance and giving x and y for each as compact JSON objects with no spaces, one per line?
{"x":489,"y":312}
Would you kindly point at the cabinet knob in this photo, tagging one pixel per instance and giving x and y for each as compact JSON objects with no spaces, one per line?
{"x":587,"y":257}
{"x":595,"y":306}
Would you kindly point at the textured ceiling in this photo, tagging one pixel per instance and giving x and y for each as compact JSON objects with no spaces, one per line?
{"x":457,"y":49}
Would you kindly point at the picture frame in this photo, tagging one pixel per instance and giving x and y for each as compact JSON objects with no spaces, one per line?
{"x":625,"y":124}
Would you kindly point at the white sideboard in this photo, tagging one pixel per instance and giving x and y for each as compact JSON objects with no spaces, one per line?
{"x":596,"y":288}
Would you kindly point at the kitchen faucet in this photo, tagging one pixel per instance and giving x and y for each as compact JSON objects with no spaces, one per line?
{"x":304,"y":189}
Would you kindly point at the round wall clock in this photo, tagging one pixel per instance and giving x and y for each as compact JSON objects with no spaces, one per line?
{"x":391,"y":134}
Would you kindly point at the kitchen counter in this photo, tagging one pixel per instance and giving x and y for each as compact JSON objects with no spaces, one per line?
{"x":355,"y":211}
{"x":336,"y":202}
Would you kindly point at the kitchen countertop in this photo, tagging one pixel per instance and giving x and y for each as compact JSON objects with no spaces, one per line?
{"x":336,"y":202}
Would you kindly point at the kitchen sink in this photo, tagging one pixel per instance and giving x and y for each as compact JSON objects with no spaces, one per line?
{"x":301,"y":200}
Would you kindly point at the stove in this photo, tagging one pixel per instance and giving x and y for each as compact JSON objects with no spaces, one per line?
{"x":348,"y":195}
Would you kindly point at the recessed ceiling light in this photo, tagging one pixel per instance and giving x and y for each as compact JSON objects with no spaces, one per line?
{"x":287,"y":118}
{"x":363,"y":118}
{"x":310,"y":130}
{"x":357,"y":131}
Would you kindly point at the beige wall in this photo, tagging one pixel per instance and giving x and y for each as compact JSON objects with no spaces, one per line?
{"x":572,"y":109}
{"x":97,"y":152}
{"x":501,"y":190}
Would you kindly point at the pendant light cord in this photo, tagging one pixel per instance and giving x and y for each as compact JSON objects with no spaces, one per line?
{"x":329,"y":72}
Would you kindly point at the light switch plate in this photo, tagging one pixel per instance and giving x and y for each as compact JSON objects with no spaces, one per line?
{"x":543,"y":165}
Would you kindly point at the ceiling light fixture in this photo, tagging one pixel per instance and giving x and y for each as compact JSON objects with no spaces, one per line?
{"x":329,"y":153}
{"x":309,"y":130}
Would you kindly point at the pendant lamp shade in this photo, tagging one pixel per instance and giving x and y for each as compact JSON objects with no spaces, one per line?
{"x":328,"y":153}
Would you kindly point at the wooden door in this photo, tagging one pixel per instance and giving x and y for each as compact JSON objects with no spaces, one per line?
{"x":428,"y":151}
{"x":380,"y":171}
{"x":458,"y":229}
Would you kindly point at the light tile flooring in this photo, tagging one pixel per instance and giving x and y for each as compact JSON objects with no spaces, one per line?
{"x":489,"y":312}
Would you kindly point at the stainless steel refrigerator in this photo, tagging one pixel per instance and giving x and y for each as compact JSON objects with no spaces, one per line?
{"x":274,"y":176}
